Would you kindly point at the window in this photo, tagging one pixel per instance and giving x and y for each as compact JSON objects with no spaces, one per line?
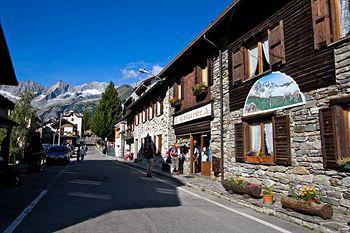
{"x":150,"y":112}
{"x":260,"y":143}
{"x":259,"y":58}
{"x":178,"y":89}
{"x":265,"y":141}
{"x":205,"y":76}
{"x":335,"y":133}
{"x":72,"y":119}
{"x":136,"y":119}
{"x":144,"y":116}
{"x":331,"y":21}
{"x":159,"y":107}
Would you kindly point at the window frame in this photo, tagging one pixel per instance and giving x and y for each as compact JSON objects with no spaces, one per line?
{"x":260,"y":66}
{"x":260,"y":159}
{"x":335,"y":21}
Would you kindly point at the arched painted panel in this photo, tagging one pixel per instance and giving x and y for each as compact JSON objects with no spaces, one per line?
{"x":271,"y":92}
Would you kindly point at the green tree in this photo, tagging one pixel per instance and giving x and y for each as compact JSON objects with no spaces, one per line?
{"x":87,"y":119}
{"x":25,"y":116}
{"x":107,"y":113}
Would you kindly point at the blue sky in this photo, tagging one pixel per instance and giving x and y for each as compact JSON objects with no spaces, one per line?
{"x":100,"y":40}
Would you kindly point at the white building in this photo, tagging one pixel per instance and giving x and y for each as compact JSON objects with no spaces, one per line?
{"x":76,"y":119}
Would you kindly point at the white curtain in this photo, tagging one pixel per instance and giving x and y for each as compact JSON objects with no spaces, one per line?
{"x":344,"y":17}
{"x":256,"y":138}
{"x":253,"y":59}
{"x":265,"y":45}
{"x":269,"y":138}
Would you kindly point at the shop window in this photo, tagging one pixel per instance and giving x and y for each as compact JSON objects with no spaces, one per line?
{"x":258,"y":56}
{"x":260,"y":143}
{"x":335,"y":134}
{"x":331,"y":21}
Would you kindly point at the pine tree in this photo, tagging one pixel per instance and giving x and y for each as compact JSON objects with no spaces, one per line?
{"x":107,"y":113}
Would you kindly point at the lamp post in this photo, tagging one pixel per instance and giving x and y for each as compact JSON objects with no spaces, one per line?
{"x":144,"y":71}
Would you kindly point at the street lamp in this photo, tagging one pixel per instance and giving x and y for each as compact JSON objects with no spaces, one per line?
{"x":144,"y":71}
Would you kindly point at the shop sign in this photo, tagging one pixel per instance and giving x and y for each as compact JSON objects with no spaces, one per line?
{"x":272,"y":92}
{"x":198,"y":113}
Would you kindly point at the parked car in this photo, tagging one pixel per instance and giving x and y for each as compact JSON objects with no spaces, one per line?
{"x":58,"y":155}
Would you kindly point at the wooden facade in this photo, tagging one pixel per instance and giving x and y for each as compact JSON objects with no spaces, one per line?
{"x":311,"y":68}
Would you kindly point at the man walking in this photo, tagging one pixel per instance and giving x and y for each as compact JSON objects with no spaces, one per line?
{"x":82,"y":153}
{"x":149,"y":153}
{"x":175,"y":152}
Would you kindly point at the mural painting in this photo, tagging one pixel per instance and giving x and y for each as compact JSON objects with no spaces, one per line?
{"x":271,"y":92}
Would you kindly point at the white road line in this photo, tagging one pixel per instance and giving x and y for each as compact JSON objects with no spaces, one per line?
{"x":31,"y":206}
{"x":277,"y":228}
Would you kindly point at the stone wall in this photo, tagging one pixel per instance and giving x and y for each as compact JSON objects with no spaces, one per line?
{"x":307,"y":162}
{"x":158,"y":125}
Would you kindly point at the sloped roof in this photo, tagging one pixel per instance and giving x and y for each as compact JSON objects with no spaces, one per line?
{"x":7,"y":72}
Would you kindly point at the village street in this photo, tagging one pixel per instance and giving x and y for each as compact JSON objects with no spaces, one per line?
{"x":101,"y":195}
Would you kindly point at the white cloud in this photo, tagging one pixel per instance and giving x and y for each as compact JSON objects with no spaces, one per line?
{"x":130,"y":72}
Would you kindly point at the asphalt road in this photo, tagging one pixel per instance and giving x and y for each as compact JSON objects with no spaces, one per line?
{"x":100,"y":195}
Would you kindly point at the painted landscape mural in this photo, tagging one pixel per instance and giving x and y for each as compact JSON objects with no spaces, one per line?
{"x":274,"y":91}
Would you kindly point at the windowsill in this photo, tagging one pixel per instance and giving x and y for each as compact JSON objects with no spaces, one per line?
{"x":340,"y":41}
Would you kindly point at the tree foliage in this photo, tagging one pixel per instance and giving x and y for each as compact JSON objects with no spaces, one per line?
{"x":107,"y":113}
{"x":25,"y":116}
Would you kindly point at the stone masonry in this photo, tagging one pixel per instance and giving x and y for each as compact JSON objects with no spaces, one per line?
{"x":307,"y":162}
{"x":158,"y":125}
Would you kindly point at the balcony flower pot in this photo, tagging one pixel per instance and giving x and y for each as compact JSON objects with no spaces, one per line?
{"x":200,"y":89}
{"x":324,"y":211}
{"x":268,"y":199}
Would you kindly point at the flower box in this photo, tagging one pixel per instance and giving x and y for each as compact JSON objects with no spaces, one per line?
{"x":200,"y":89}
{"x":252,"y":159}
{"x":267,"y":159}
{"x":325,"y":211}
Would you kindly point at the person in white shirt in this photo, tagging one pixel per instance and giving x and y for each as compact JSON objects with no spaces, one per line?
{"x":82,"y":153}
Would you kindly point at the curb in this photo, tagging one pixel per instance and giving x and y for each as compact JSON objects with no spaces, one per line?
{"x":264,"y":210}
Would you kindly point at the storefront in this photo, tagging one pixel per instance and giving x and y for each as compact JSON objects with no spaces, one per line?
{"x":192,"y":130}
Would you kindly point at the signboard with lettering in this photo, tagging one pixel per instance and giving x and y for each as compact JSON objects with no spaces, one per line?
{"x":194,"y":114}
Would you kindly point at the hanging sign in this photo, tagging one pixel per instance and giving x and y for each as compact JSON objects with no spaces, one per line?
{"x":273,"y":91}
{"x":194,"y":114}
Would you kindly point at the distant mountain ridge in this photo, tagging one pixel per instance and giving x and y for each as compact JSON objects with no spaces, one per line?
{"x":63,"y":96}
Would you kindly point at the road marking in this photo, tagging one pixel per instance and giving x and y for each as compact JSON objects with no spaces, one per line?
{"x":277,"y":228}
{"x":31,"y":206}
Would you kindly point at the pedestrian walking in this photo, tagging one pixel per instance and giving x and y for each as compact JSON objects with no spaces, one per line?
{"x":149,"y":154}
{"x":78,"y":154}
{"x":82,"y":153}
{"x":175,"y":152}
{"x":182,"y":157}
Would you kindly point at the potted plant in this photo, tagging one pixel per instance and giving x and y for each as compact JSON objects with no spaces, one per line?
{"x":344,"y":163}
{"x":307,"y":200}
{"x":268,"y":195}
{"x":252,"y":157}
{"x":175,"y":102}
{"x":200,"y":89}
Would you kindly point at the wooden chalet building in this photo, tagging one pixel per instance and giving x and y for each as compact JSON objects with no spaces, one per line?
{"x":7,"y":77}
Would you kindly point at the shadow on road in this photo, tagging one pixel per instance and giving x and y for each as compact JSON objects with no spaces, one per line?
{"x":93,"y":188}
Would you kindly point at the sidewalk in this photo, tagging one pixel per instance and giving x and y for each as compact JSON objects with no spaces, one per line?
{"x":213,"y":186}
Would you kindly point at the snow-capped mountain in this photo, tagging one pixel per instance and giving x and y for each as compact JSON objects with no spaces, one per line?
{"x":62,"y":96}
{"x":270,"y":89}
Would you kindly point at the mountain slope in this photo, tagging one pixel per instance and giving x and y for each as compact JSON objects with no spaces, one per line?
{"x":62,"y":96}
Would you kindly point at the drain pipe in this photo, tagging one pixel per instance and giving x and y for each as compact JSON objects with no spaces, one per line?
{"x":221,"y":109}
